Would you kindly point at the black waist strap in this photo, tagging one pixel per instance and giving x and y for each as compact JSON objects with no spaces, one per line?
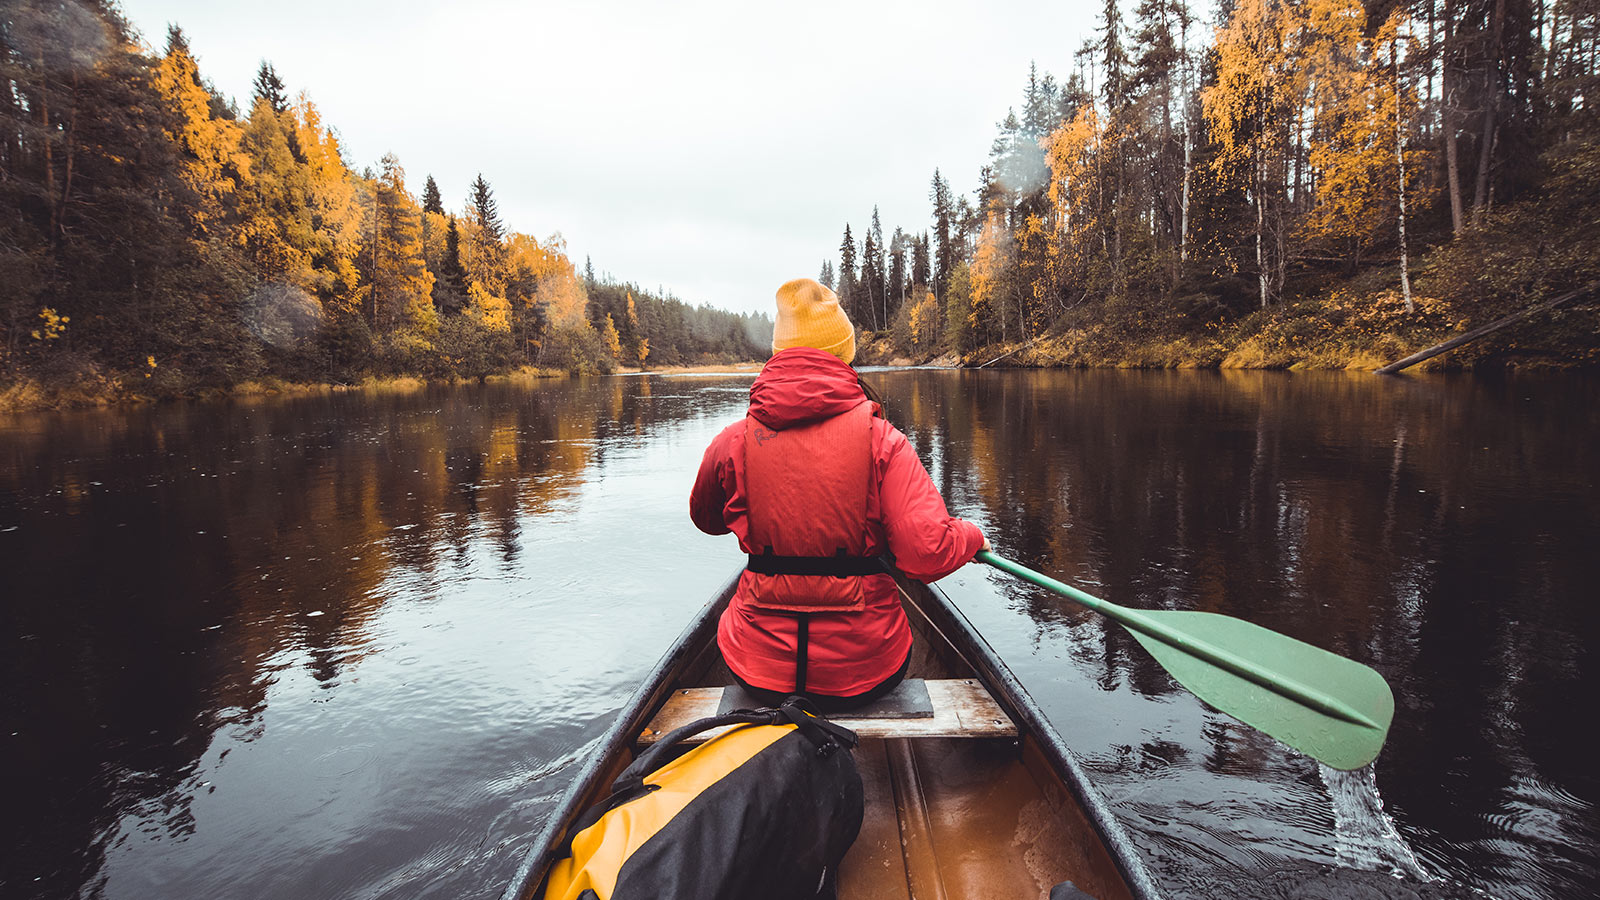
{"x":838,"y":566}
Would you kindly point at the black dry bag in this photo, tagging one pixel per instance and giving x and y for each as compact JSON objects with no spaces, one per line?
{"x":766,"y":810}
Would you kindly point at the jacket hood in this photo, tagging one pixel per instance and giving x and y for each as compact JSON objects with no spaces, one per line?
{"x":803,"y":385}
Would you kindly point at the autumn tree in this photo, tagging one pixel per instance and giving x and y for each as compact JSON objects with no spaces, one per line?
{"x":212,"y":163}
{"x":1251,"y":109}
{"x":400,"y":287}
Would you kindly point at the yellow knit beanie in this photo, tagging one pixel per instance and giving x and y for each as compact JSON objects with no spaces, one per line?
{"x":809,"y":316}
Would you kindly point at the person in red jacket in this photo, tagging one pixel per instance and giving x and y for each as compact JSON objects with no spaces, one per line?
{"x":818,"y":487}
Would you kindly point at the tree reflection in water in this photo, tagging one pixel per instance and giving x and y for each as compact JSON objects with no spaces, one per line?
{"x":347,"y":644}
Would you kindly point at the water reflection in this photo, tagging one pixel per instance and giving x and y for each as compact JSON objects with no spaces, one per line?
{"x":349,"y":645}
{"x":169,"y":570}
{"x":1435,"y":529}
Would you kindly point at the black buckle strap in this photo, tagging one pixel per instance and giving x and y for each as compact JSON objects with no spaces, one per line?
{"x":837,"y":566}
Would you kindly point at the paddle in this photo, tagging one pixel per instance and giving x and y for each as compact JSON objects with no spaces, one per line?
{"x":1332,"y":709}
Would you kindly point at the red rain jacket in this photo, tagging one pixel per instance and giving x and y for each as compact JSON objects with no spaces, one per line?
{"x":850,"y":652}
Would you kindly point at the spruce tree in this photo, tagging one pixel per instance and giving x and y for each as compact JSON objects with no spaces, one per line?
{"x":869,"y":290}
{"x":847,"y":274}
{"x":269,"y":87}
{"x":944,"y":250}
{"x":1112,"y":58}
{"x":484,"y":253}
{"x":897,"y":271}
{"x":825,"y":277}
{"x":920,"y":267}
{"x":431,"y":201}
{"x":1039,"y":104}
{"x":488,"y":212}
{"x":449,"y":290}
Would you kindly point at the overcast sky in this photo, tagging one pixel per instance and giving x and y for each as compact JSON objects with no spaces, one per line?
{"x":712,"y":149}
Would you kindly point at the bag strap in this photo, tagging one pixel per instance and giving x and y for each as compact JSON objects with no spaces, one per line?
{"x":657,"y":756}
{"x":826,"y":736}
{"x":798,"y":711}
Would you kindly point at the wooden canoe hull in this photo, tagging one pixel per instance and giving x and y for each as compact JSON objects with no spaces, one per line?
{"x":967,"y":817}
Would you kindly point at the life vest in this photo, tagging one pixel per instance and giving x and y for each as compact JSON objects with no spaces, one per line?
{"x":807,"y":490}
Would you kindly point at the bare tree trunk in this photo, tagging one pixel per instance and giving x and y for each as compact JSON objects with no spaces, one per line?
{"x":1400,"y":163}
{"x":1261,"y":216}
{"x":1188,"y":155}
{"x":1433,"y":49}
{"x":46,"y":131}
{"x":69,"y":139}
{"x":1491,"y":75}
{"x":1458,"y":219}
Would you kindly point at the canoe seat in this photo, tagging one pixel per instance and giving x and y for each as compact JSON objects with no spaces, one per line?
{"x":962,"y":707}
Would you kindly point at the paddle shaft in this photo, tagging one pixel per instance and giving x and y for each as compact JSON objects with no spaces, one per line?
{"x":1188,"y":644}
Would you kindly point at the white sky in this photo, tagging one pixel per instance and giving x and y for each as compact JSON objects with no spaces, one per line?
{"x":715,"y":149}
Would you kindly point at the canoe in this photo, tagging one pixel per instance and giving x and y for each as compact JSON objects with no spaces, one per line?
{"x":983,"y":799}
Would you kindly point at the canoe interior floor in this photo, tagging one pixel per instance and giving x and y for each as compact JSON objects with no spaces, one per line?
{"x":950,"y":818}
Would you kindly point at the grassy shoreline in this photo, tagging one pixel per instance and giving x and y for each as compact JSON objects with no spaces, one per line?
{"x":91,"y":391}
{"x":1333,"y":333}
{"x":1341,"y":332}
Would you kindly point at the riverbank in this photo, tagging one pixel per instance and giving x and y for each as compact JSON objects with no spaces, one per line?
{"x":703,"y":369}
{"x":1341,"y":331}
{"x":92,"y":390}
{"x":95,"y":390}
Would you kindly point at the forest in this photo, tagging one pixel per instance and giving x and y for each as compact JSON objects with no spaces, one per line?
{"x":1295,"y":183}
{"x":158,"y":241}
{"x":1287,"y":183}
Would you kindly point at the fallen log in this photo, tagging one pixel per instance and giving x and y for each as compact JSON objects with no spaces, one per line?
{"x":1496,"y":325}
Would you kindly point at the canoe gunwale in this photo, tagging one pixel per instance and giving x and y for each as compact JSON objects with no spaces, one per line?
{"x":618,"y":738}
{"x":940,"y":614}
{"x":945,"y":617}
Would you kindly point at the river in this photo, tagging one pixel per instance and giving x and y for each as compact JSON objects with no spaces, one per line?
{"x":349,"y":645}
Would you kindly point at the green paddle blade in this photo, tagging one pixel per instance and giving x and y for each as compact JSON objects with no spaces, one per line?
{"x":1347,"y":689}
{"x":1333,"y":709}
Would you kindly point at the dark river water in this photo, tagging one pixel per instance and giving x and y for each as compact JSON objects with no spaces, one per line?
{"x":349,"y":646}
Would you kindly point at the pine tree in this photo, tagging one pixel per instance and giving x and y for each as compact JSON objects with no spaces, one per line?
{"x":920,"y":266}
{"x":875,"y":275}
{"x":487,"y":210}
{"x":1113,"y":61}
{"x":449,"y":288}
{"x":431,"y":201}
{"x":1039,"y":105}
{"x":847,"y":274}
{"x":484,"y":255}
{"x":897,"y":271}
{"x":944,"y":249}
{"x":269,"y":87}
{"x":825,"y":277}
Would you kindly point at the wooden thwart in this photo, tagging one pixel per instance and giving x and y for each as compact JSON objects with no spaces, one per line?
{"x":961,"y":708}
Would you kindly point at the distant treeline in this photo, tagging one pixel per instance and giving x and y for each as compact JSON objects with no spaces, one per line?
{"x":1298,"y":177}
{"x":155,"y":237}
